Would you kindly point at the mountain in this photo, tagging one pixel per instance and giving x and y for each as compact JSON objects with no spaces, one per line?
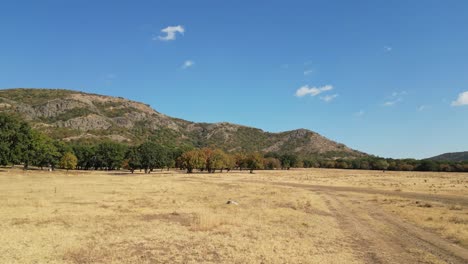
{"x":77,"y":116}
{"x":455,"y":156}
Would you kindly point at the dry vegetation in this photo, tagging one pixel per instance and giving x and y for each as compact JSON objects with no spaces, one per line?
{"x":298,"y":216}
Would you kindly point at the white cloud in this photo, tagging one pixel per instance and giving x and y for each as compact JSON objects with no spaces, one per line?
{"x":360,"y":113}
{"x":171,"y":33}
{"x":395,"y":98}
{"x":313,"y":91}
{"x":421,"y":108}
{"x":391,"y":103}
{"x":388,"y":48}
{"x":395,"y":94}
{"x":329,"y":98}
{"x":188,"y":64}
{"x":308,"y":72}
{"x":461,"y":100}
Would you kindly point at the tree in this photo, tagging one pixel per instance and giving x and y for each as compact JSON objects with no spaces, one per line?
{"x":109,"y":155}
{"x":427,"y":165}
{"x":9,"y":128}
{"x":380,"y":164}
{"x":152,"y":156}
{"x":271,"y":163}
{"x":22,"y":145}
{"x":44,"y":152}
{"x":192,"y":160}
{"x":86,"y":155}
{"x":254,"y":161}
{"x":68,"y":161}
{"x":310,"y":163}
{"x":229,"y":163}
{"x":402,"y":166}
{"x":240,"y":160}
{"x":288,"y":161}
{"x":342,"y":164}
{"x":365,"y":165}
{"x":132,"y":159}
{"x":215,"y":159}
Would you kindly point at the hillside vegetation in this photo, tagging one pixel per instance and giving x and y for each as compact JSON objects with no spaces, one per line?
{"x":455,"y":157}
{"x":77,"y":116}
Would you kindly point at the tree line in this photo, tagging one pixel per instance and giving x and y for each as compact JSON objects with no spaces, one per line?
{"x":22,"y":145}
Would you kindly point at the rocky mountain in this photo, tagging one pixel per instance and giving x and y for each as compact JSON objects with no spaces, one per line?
{"x":77,"y":116}
{"x":454,"y":156}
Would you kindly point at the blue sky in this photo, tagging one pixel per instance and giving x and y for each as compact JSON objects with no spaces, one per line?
{"x":383,"y":77}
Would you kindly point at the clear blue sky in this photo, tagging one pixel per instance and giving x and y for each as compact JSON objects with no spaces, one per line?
{"x":381,"y":76}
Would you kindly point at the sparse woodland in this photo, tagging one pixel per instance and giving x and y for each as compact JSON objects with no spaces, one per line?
{"x":22,"y":145}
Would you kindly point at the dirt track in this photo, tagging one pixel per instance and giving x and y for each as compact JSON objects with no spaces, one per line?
{"x":448,"y":199}
{"x":380,"y":237}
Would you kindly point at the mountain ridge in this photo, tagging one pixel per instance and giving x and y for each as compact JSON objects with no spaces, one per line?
{"x":451,"y":156}
{"x":78,"y":116}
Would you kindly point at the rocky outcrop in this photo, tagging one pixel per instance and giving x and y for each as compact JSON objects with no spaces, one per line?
{"x":85,"y":123}
{"x":92,"y":116}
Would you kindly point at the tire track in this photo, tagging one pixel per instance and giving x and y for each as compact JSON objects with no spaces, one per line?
{"x":442,"y":198}
{"x":380,"y":237}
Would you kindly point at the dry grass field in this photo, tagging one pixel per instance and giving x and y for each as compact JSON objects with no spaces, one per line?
{"x":297,"y":216}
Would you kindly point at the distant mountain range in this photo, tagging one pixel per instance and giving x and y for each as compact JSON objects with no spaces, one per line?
{"x":77,"y":116}
{"x":455,"y":156}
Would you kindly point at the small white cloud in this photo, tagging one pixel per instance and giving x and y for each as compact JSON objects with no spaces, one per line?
{"x":422,"y":108}
{"x":312,"y":91}
{"x":329,"y":98}
{"x":170,"y":33}
{"x":461,"y":100}
{"x":188,"y":64}
{"x":388,"y":48}
{"x":308,"y":72}
{"x":392,"y":103}
{"x":360,"y":113}
{"x":395,"y":94}
{"x":395,"y":98}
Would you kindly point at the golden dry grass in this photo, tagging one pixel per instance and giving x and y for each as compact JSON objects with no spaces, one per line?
{"x":171,"y":217}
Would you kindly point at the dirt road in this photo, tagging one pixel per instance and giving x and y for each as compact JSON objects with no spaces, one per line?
{"x":449,"y":199}
{"x":380,"y":237}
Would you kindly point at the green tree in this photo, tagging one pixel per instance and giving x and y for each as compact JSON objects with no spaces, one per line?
{"x":44,"y":152}
{"x":132,"y":159}
{"x":9,"y":128}
{"x":365,"y":165}
{"x":109,"y":155}
{"x":254,"y":161}
{"x":427,"y":165}
{"x":380,"y":164}
{"x":288,"y":161}
{"x":153,"y":156}
{"x":23,"y":148}
{"x":86,"y":154}
{"x":68,"y":161}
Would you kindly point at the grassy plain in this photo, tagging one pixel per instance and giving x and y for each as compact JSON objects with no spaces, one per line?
{"x":296,"y":216}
